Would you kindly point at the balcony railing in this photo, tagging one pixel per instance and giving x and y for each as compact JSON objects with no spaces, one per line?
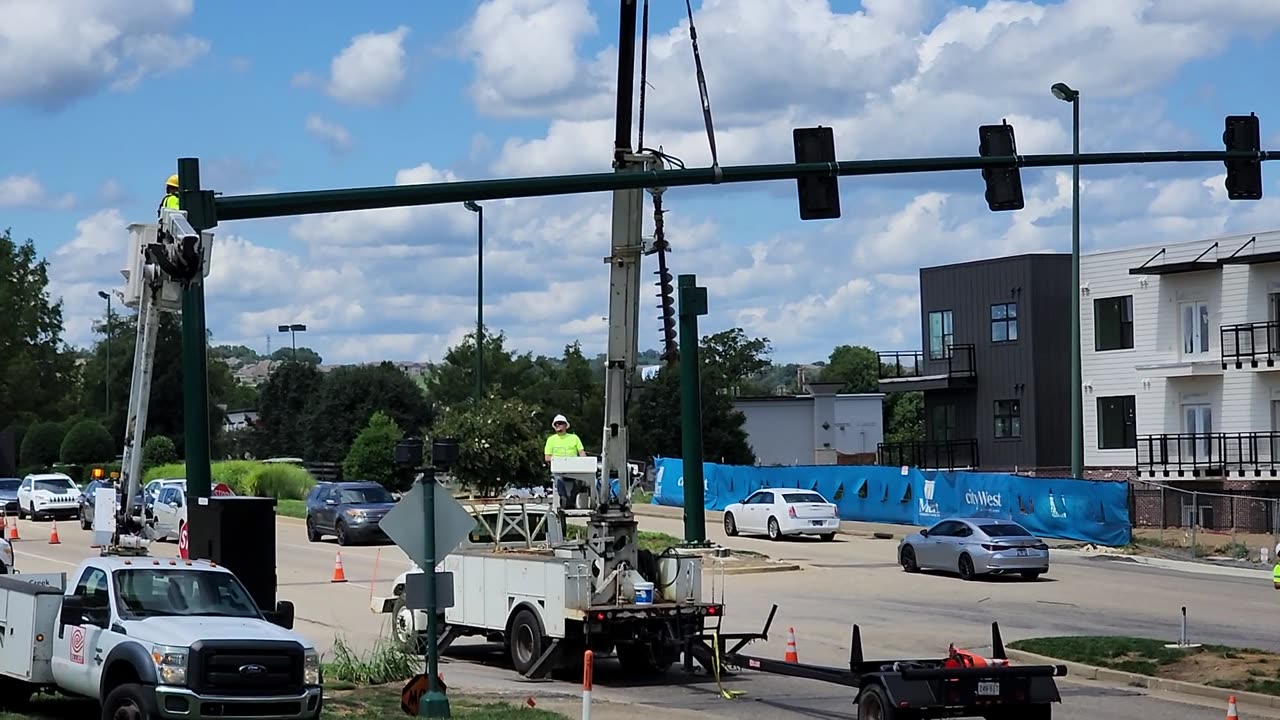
{"x":957,"y":363}
{"x":1246,"y":454}
{"x":1252,"y":343}
{"x":929,"y":455}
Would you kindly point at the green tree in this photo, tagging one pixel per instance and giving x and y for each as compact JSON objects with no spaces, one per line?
{"x":736,"y":362}
{"x":372,"y":454}
{"x":87,"y":442}
{"x":280,"y":430}
{"x":346,"y":399}
{"x":41,"y":444}
{"x":242,"y":353}
{"x":304,"y":355}
{"x":904,"y":417}
{"x":654,"y":418}
{"x":499,"y":444}
{"x":859,"y":368}
{"x":38,"y":378}
{"x":158,"y":450}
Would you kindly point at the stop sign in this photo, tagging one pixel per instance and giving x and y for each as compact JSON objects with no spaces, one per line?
{"x":222,"y":490}
{"x":184,"y":547}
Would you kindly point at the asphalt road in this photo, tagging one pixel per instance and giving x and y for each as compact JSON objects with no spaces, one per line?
{"x":846,"y":581}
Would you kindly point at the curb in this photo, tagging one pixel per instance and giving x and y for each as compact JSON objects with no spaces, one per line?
{"x":758,"y":570}
{"x":1117,"y":677}
{"x":1186,"y":566}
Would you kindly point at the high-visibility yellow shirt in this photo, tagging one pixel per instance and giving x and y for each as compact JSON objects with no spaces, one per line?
{"x":566,"y":445}
{"x":170,"y":202}
{"x":1275,"y":575}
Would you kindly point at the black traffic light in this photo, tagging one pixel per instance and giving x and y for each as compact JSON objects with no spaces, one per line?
{"x":819,"y":196}
{"x":1004,"y":184}
{"x":1244,"y":177}
{"x":667,"y":298}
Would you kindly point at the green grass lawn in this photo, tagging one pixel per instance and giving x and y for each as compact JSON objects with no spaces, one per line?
{"x":369,"y":703}
{"x":1217,"y":665}
{"x":292,"y":508}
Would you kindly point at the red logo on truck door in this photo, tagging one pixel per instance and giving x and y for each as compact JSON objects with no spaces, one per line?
{"x":77,"y":645}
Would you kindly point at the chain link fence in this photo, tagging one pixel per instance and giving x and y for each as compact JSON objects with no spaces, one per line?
{"x":1225,"y":525}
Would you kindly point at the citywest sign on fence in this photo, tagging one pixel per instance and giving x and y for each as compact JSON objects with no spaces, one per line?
{"x":1085,"y":510}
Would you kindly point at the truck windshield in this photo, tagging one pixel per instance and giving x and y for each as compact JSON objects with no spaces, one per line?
{"x":154,"y":592}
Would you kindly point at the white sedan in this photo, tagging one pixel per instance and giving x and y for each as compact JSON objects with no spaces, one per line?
{"x":48,"y":494}
{"x":783,"y":511}
{"x":6,"y":557}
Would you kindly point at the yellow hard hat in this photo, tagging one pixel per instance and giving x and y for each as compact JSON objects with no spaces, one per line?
{"x":172,"y":181}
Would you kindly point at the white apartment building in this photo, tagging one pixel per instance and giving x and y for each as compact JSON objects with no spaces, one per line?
{"x":1180,"y":354}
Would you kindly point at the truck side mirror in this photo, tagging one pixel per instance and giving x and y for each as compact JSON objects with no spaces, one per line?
{"x":72,"y":610}
{"x":283,"y":616}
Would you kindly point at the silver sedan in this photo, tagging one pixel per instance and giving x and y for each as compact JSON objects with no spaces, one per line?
{"x":975,"y":546}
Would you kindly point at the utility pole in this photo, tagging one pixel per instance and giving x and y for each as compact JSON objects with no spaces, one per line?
{"x":1063,"y":92}
{"x":693,"y":302}
{"x":195,"y":344}
{"x":479,"y":211}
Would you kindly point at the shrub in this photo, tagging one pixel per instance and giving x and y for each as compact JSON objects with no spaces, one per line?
{"x":158,"y":450}
{"x":499,"y":444}
{"x":372,"y":454}
{"x":247,"y":477}
{"x":41,"y":444}
{"x":87,"y":442}
{"x":169,"y":470}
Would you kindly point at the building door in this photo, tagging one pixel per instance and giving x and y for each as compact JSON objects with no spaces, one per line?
{"x":1197,"y":424}
{"x":1195,"y":328}
{"x":1273,"y":323}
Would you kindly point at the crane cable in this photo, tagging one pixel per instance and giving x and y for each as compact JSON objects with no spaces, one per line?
{"x":702,"y":92}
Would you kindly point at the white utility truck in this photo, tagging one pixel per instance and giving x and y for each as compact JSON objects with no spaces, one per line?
{"x":165,"y":638}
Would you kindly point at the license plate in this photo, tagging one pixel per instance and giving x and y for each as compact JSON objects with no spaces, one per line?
{"x":1022,"y":551}
{"x":819,"y":523}
{"x":988,"y":688}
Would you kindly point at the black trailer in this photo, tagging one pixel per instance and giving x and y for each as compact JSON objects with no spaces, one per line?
{"x":910,"y":689}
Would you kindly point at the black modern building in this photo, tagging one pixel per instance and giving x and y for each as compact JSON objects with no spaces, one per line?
{"x":995,"y":367}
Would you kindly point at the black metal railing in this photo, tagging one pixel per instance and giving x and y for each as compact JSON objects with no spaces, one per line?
{"x":957,"y":361}
{"x":1252,"y":343}
{"x":929,"y":454}
{"x":1209,"y":454}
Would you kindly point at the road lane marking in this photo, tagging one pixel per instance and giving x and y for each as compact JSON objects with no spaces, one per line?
{"x":44,"y":558}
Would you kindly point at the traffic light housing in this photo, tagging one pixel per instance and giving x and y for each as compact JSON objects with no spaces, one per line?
{"x":1004,"y":184}
{"x":819,"y":196}
{"x":1244,"y":177}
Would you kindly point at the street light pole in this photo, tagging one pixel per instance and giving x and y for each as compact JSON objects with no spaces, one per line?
{"x":479,"y":211}
{"x":106,"y":383}
{"x":1064,"y":92}
{"x":293,"y":338}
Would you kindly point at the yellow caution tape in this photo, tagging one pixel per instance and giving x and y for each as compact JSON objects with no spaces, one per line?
{"x":715,"y":668}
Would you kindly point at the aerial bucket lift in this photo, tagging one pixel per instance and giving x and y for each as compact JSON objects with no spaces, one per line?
{"x":162,"y":257}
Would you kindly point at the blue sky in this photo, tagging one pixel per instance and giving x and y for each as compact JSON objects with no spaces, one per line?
{"x":98,"y":105}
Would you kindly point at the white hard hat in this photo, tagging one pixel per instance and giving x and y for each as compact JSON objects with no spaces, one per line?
{"x":560,"y":419}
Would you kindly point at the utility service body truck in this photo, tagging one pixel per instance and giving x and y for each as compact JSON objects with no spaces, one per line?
{"x":146,"y":637}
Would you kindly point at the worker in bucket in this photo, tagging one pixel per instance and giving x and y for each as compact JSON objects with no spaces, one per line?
{"x":563,"y":443}
{"x":170,"y":201}
{"x":1275,"y":574}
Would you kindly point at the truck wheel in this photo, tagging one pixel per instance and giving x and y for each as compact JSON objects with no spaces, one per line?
{"x":126,"y":702}
{"x":525,"y":641}
{"x":402,"y":627}
{"x":643,"y":659}
{"x":873,"y":704}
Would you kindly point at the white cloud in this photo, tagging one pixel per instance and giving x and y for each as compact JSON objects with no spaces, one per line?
{"x":52,"y":53}
{"x":28,"y":191}
{"x":370,"y":70}
{"x":334,"y":136}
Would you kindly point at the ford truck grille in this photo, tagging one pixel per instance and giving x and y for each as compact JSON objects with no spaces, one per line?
{"x":246,"y":668}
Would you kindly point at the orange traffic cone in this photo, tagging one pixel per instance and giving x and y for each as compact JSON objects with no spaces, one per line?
{"x":1231,"y":708}
{"x":12,"y":532}
{"x":792,"y":656}
{"x":53,"y":534}
{"x":338,"y":575}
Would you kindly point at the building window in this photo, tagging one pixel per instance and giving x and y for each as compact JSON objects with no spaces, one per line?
{"x":1117,"y":426}
{"x":1004,"y":322}
{"x":1008,"y":419}
{"x":1113,"y":323}
{"x":941,"y":334}
{"x":1195,"y":328}
{"x":942,"y":422}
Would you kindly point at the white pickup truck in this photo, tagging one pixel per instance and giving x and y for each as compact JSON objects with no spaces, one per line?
{"x":154,"y":638}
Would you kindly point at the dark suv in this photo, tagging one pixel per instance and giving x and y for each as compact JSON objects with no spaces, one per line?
{"x":350,"y":510}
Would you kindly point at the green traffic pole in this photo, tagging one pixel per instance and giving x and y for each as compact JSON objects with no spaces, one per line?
{"x":195,"y":342}
{"x":693,"y":302}
{"x":1077,"y":383}
{"x":265,"y":205}
{"x":435,"y":704}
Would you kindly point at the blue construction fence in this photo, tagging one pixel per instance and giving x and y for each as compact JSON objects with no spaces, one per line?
{"x":1063,"y":508}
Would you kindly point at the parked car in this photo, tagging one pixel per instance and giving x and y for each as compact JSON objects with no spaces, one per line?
{"x":351,"y":510}
{"x":169,"y":511}
{"x":151,"y":491}
{"x":779,"y":512}
{"x":6,"y":557}
{"x":975,"y":546}
{"x":89,"y":501}
{"x":9,"y":494}
{"x":47,"y":495}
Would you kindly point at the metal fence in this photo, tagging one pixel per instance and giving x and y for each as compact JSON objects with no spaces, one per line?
{"x":1179,"y":522}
